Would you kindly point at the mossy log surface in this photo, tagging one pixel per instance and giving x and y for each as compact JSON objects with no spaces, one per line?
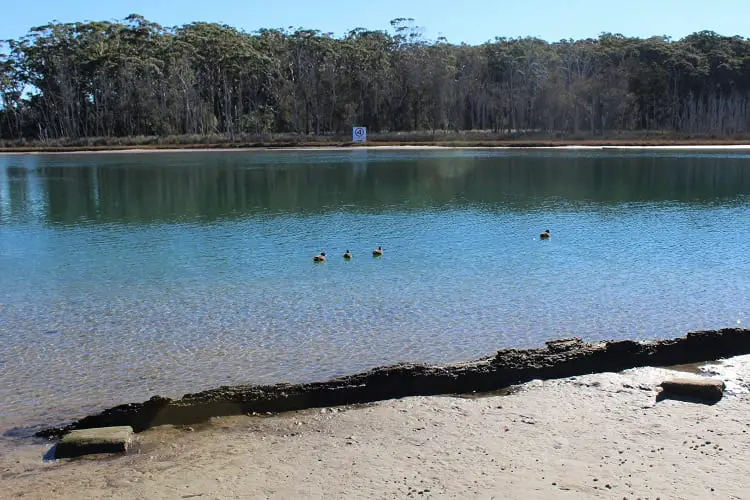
{"x":558,"y":359}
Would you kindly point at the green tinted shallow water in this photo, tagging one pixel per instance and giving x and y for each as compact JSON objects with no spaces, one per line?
{"x":126,"y":275}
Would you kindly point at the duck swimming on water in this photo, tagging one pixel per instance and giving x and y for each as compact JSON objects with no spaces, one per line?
{"x":545,"y":235}
{"x":378,"y":252}
{"x":320,"y":258}
{"x":348,"y":255}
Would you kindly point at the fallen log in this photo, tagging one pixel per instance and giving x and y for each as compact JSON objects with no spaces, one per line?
{"x":558,"y":359}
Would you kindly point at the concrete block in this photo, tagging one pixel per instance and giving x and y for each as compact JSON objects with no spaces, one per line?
{"x":98,"y":440}
{"x":703,"y":389}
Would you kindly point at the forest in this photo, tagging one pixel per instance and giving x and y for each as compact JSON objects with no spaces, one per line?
{"x":137,"y":78}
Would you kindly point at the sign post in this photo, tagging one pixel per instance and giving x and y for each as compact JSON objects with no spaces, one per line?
{"x":359,"y":134}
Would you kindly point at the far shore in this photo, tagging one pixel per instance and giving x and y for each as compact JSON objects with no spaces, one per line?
{"x":617,"y":144}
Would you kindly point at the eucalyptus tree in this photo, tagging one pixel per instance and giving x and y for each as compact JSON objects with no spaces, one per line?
{"x":11,"y":93}
{"x":134,"y":77}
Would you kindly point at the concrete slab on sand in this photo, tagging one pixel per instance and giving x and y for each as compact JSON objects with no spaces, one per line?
{"x":97,"y":440}
{"x":708,"y":389}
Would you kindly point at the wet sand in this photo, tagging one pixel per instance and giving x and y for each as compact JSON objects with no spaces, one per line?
{"x":595,"y":436}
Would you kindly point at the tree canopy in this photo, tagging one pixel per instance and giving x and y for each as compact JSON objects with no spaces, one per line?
{"x":135,"y":77}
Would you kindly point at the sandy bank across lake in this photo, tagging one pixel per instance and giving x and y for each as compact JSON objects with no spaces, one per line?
{"x":593,"y":436}
{"x":380,"y":147}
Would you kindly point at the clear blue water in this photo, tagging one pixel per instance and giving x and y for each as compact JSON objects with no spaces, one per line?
{"x":128,"y":275}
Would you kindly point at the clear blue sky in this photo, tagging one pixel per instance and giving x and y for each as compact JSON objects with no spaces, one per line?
{"x":469,"y":21}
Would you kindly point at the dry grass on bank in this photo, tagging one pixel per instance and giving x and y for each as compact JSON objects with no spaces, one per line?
{"x":427,"y":138}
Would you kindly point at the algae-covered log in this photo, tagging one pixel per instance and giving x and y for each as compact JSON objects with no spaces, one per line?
{"x":558,"y":359}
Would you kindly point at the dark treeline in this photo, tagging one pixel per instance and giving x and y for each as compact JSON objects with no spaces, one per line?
{"x":132,"y":78}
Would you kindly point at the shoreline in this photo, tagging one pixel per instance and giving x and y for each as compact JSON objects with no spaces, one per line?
{"x":527,"y":444}
{"x":558,"y":359}
{"x":658,"y":145}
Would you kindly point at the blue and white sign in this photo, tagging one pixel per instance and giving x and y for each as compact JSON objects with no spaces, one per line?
{"x":359,"y":134}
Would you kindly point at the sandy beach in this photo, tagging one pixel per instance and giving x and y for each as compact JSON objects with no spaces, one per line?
{"x":377,"y":147}
{"x":594,"y":436}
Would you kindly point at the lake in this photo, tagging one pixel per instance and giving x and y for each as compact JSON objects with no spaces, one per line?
{"x":128,"y":275}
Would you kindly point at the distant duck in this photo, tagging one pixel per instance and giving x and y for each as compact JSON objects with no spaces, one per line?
{"x":545,"y":235}
{"x":320,"y":258}
{"x":348,"y":255}
{"x":378,"y":252}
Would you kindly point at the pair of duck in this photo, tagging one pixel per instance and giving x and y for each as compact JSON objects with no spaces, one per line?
{"x":378,"y":252}
{"x":545,"y":235}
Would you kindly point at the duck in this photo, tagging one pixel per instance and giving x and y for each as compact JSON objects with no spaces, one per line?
{"x":545,"y":235}
{"x":378,"y":252}
{"x":348,"y":255}
{"x":320,"y":258}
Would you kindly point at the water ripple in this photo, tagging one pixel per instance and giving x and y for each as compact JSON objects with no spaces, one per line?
{"x":102,"y":309}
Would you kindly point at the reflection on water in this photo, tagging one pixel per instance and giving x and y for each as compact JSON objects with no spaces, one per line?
{"x":126,"y":275}
{"x":209,"y":186}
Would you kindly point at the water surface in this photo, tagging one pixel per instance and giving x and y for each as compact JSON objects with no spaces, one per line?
{"x":128,"y":275}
